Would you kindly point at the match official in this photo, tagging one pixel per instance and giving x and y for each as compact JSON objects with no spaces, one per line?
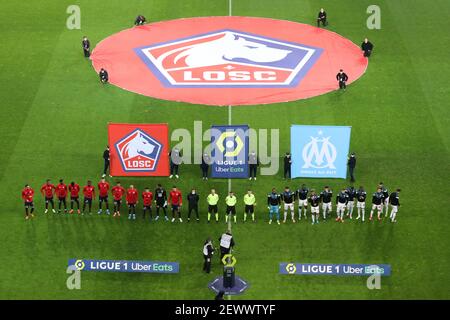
{"x":250,"y":203}
{"x":230,"y":200}
{"x":213,"y":199}
{"x":193,"y":199}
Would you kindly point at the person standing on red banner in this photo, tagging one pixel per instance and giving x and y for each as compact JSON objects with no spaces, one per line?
{"x":74,"y":189}
{"x":61,"y":193}
{"x":103,"y":189}
{"x":47,"y":191}
{"x":176,"y":201}
{"x":147,"y":198}
{"x":117,"y":191}
{"x":132,"y":200}
{"x":27,"y":196}
{"x":89,"y":193}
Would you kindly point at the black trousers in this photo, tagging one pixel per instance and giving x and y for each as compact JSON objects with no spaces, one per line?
{"x":207,"y":264}
{"x":287,"y":172}
{"x":193,"y":208}
{"x":324,"y":22}
{"x":352,"y":177}
{"x":253,"y":169}
{"x":106,"y":166}
{"x":342,"y":85}
{"x":367,"y":53}
{"x":204,"y":172}
{"x":173,"y":168}
{"x":87,"y":53}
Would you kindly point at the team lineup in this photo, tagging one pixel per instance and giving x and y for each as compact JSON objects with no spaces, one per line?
{"x":161,"y":200}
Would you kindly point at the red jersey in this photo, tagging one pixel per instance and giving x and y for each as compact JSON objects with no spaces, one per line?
{"x":74,"y":190}
{"x":175,"y":198}
{"x":132,"y":196}
{"x":27,"y":194}
{"x":118,"y":192}
{"x":47,"y":190}
{"x":147,"y":197}
{"x":103,"y":188}
{"x":61,"y":190}
{"x":89,"y":191}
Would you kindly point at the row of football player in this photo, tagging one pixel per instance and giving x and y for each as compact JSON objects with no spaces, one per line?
{"x":344,"y":200}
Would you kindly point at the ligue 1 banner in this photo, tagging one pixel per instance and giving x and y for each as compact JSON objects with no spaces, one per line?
{"x":138,"y":149}
{"x":124,"y":266}
{"x":319,"y":151}
{"x":335,"y":269}
{"x":229,"y":152}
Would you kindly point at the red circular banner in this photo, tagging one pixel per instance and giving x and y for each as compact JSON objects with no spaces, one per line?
{"x":228,"y":60}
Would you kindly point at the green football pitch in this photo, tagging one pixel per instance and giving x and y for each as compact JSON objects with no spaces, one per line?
{"x":53,"y":120}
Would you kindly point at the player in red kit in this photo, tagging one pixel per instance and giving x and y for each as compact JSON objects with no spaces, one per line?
{"x":103,"y":189}
{"x":147,"y":198}
{"x":89,"y":194}
{"x":74,"y":190}
{"x":27,"y":196}
{"x":61,"y":193}
{"x":117,"y":191}
{"x":47,"y":191}
{"x":176,"y":201}
{"x":132,"y":200}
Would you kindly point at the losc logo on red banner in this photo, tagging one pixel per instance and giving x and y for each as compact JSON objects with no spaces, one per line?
{"x":138,"y":150}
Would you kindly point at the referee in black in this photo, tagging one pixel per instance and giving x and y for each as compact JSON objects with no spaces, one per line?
{"x":86,"y":47}
{"x":208,"y":251}
{"x":106,"y":160}
{"x":342,"y":78}
{"x":193,"y":199}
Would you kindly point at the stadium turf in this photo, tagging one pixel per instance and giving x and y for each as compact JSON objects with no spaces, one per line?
{"x":54,"y":116}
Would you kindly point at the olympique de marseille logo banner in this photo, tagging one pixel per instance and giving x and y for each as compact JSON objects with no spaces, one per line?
{"x":138,"y":149}
{"x":319,"y":151}
{"x":229,"y":151}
